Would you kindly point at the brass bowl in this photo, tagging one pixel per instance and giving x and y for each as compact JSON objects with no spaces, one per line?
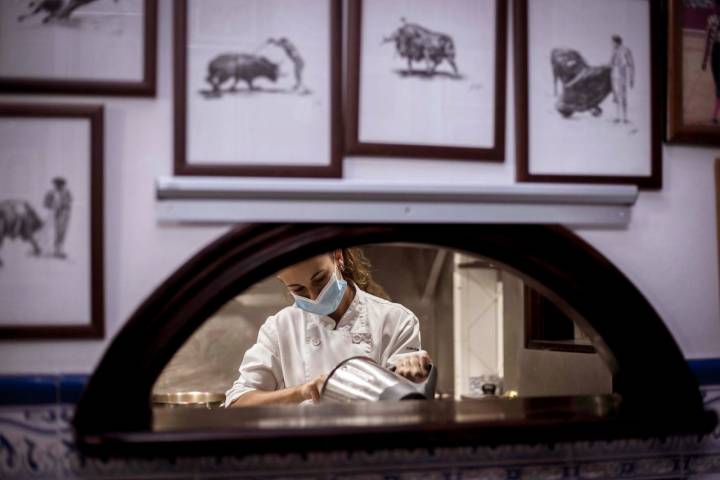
{"x":188,"y":399}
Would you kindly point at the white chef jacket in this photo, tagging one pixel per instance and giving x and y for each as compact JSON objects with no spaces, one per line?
{"x":295,"y":346}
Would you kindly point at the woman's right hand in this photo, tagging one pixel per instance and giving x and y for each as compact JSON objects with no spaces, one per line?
{"x":311,"y":389}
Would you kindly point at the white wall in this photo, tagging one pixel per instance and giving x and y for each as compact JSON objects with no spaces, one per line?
{"x":669,"y":249}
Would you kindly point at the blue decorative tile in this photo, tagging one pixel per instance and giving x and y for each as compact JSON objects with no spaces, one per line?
{"x":624,"y":447}
{"x":28,"y":389}
{"x":703,"y":464}
{"x":361,"y":476}
{"x":544,"y":472}
{"x":71,"y":387}
{"x":41,"y":389}
{"x":491,"y":473}
{"x":657,"y":466}
{"x":707,"y":371}
{"x":600,"y":470}
{"x":30,"y":442}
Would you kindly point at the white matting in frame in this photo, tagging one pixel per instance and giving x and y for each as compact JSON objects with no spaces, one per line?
{"x":451,"y":104}
{"x":259,"y":83}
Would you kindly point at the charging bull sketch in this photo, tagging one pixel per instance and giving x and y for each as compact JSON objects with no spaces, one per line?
{"x":18,"y":220}
{"x":584,"y":87}
{"x":416,"y":44}
{"x":55,"y":9}
{"x":239,"y":66}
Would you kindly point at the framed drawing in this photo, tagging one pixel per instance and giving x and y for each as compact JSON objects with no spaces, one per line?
{"x":96,"y":47}
{"x":51,"y":221}
{"x":694,"y":72}
{"x":427,"y":78}
{"x":257,"y":88}
{"x":588,"y":96}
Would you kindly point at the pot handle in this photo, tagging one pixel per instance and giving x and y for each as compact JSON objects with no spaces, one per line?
{"x":426,"y":387}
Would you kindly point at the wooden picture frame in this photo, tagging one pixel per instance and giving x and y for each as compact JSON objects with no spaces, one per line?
{"x":552,"y":259}
{"x":265,"y":120}
{"x":687,"y":38}
{"x":481,"y":124}
{"x":86,"y":45}
{"x":717,"y":204}
{"x":589,"y":147}
{"x":51,"y":221}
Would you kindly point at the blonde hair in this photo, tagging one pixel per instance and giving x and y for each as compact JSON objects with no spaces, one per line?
{"x":357,"y":267}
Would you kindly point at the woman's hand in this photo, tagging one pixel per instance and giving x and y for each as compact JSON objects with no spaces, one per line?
{"x":290,"y":395}
{"x":414,"y":367}
{"x":311,"y":389}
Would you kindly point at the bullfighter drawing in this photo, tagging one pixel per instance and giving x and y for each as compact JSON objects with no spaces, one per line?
{"x":293,"y":54}
{"x":623,"y":75}
{"x":585,"y":87}
{"x":58,"y":201}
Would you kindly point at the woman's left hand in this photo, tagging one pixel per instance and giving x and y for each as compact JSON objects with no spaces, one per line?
{"x":414,"y":367}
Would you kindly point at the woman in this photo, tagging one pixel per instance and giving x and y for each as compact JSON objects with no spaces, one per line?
{"x":712,"y":52}
{"x":339,"y":312}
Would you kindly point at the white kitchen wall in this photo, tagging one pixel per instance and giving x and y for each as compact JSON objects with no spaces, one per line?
{"x":478,"y":325}
{"x":669,"y":250}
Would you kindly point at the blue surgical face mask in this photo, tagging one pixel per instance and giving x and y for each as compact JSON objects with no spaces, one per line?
{"x":327,"y":300}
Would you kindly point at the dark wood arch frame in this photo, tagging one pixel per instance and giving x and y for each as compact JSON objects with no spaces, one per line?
{"x":650,"y":371}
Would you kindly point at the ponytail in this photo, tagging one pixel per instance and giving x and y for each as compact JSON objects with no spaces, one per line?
{"x":357,"y":268}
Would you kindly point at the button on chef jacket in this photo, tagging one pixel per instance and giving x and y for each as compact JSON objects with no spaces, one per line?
{"x":295,"y":346}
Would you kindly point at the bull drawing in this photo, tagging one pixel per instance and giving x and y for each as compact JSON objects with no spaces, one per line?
{"x":584,"y":87}
{"x":18,"y":220}
{"x":239,"y":66}
{"x":417,"y":44}
{"x":55,"y":9}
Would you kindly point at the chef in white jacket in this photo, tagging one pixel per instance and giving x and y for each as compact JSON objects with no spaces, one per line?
{"x":335,"y":316}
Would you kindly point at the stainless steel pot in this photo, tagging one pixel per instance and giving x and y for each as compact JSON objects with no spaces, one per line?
{"x":361,"y":379}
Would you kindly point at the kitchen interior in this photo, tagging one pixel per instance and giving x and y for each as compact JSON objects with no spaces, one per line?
{"x":474,"y":324}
